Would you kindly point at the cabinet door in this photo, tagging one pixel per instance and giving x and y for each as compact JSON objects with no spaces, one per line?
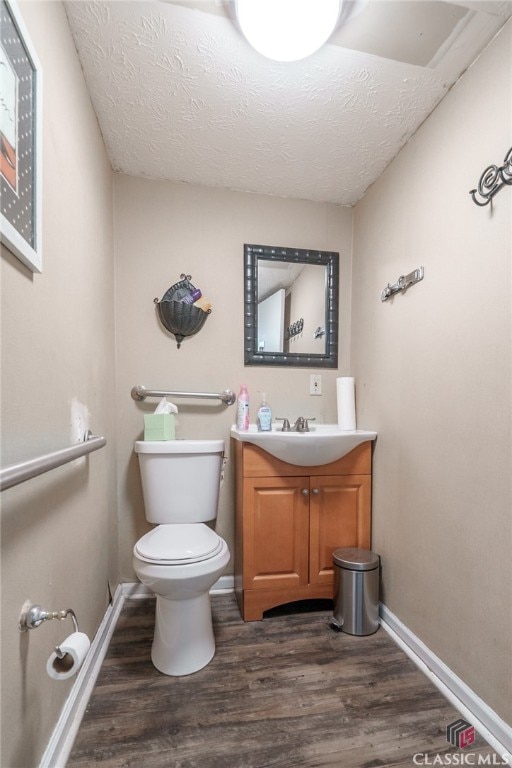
{"x":276,"y":532}
{"x":339,"y":517}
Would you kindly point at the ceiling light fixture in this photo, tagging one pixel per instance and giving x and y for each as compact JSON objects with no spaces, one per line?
{"x":287,"y":30}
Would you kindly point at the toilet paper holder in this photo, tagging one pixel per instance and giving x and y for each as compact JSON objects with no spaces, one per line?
{"x":32,"y":616}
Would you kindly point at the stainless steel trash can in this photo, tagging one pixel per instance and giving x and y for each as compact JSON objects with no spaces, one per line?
{"x":356,"y":591}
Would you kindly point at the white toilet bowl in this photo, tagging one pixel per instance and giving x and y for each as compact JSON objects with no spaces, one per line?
{"x":180,"y":563}
{"x":181,"y":557}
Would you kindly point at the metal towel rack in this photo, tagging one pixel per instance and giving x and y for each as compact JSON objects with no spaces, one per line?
{"x":25,"y":470}
{"x":139,"y":392}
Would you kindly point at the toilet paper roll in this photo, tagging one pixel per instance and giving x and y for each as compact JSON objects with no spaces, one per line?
{"x":75,"y":649}
{"x":345,"y":391}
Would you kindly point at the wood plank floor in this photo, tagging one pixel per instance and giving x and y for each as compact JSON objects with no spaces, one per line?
{"x":281,"y":693}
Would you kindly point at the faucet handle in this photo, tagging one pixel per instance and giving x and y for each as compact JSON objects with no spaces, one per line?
{"x":301,"y":425}
{"x":286,"y":424}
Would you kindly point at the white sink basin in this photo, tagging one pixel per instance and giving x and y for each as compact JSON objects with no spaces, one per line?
{"x":321,"y":445}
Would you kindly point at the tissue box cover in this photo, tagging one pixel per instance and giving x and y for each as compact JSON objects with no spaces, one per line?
{"x":159,"y":426}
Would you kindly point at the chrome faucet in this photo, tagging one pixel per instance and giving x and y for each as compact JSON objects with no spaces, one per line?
{"x":301,"y":425}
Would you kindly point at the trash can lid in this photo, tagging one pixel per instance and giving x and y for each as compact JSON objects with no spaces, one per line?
{"x":355,"y":559}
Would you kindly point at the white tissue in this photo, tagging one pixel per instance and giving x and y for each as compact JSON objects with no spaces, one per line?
{"x":164,"y":406}
{"x":75,"y":647}
{"x":345,"y":391}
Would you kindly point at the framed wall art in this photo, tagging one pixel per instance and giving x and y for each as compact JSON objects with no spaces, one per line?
{"x":20,"y":139}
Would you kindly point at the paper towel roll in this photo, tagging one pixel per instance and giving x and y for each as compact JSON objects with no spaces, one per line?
{"x":75,"y":647}
{"x":345,"y":391}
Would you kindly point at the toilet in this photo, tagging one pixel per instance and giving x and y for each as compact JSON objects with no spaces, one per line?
{"x":181,"y":558}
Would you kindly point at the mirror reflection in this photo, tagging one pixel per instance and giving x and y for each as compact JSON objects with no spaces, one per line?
{"x":291,"y":306}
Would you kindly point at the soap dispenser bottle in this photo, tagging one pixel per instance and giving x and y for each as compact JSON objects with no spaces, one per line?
{"x":242,"y":409}
{"x":264,"y":415}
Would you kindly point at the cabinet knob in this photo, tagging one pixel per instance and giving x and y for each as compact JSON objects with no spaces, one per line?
{"x":315,"y":491}
{"x":305,"y":492}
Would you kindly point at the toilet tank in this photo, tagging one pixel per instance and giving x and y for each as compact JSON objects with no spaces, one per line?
{"x":180,"y":479}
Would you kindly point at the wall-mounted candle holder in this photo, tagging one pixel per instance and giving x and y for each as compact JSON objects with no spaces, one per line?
{"x":182,"y":309}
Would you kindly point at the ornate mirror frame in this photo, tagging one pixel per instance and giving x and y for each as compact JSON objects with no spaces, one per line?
{"x":253,"y":254}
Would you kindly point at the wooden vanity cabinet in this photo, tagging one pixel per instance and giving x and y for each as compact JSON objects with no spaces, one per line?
{"x":288,"y":521}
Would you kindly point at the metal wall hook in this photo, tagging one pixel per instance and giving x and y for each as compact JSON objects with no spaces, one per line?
{"x":294,"y":329}
{"x":32,"y":616}
{"x":403,"y":282}
{"x":492,"y":180}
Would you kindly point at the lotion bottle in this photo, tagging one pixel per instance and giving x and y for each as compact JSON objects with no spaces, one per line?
{"x":242,"y":409}
{"x":264,"y":415}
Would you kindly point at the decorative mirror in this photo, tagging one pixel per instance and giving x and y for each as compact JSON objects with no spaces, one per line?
{"x":291,"y":307}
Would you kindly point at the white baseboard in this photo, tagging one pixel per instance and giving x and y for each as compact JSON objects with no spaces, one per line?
{"x":61,"y":741}
{"x":222,"y":586}
{"x":492,"y":728}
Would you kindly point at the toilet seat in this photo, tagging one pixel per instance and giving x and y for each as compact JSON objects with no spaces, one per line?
{"x":178,"y":544}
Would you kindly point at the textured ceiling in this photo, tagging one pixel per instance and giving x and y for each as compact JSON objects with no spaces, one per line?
{"x":180,"y":95}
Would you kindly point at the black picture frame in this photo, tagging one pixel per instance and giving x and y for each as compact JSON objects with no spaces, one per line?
{"x":21,"y":140}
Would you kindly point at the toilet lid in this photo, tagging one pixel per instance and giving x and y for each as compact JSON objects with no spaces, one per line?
{"x":178,"y":544}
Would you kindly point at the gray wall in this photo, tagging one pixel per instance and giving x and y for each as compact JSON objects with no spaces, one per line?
{"x":161,"y":230}
{"x":433,"y":369}
{"x":59,"y":542}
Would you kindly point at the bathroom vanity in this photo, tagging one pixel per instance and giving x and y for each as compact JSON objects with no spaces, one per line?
{"x":288,"y":521}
